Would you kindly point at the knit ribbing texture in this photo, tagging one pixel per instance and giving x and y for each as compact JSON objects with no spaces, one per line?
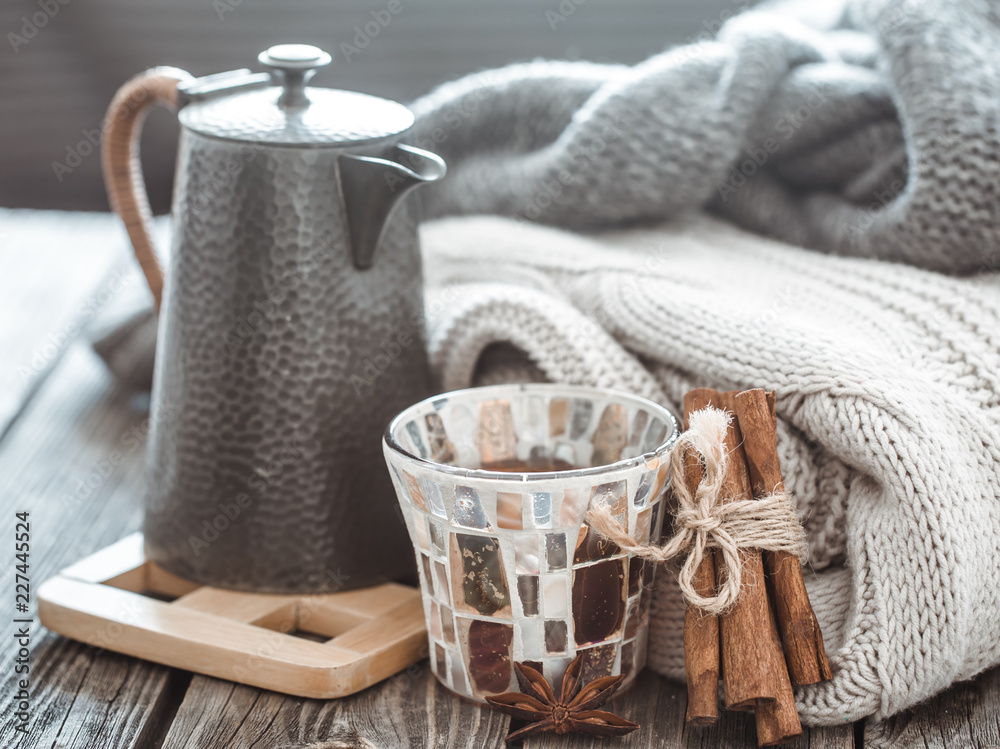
{"x":888,"y":383}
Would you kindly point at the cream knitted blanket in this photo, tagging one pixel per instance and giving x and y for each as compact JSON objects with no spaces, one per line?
{"x":888,"y":382}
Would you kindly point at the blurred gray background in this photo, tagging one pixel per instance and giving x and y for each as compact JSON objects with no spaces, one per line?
{"x":58,"y":81}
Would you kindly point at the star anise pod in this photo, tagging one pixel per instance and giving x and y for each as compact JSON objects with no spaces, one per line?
{"x":573,"y":712}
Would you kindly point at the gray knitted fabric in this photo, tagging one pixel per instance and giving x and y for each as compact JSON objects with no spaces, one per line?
{"x":880,"y":138}
{"x":888,"y":382}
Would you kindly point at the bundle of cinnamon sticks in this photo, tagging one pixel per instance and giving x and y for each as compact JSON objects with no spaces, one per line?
{"x":769,"y":640}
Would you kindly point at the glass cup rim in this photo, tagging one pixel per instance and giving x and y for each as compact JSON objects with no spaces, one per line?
{"x":528,"y":476}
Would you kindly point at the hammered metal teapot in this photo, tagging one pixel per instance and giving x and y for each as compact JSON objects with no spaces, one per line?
{"x":291,"y":324}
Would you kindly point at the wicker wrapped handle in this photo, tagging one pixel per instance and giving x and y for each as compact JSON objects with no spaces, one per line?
{"x":120,"y":162}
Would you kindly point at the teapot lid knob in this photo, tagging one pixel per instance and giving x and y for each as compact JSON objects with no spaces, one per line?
{"x":278,"y":108}
{"x":293,"y":65}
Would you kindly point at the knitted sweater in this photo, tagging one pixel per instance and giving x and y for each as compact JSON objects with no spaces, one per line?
{"x":878,"y":138}
{"x":888,"y":382}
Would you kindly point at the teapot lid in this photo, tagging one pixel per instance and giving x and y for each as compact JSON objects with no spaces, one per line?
{"x":290,"y":113}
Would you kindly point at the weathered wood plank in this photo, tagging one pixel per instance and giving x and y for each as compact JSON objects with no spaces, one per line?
{"x":410,"y":709}
{"x":413,"y":710}
{"x":74,"y":461}
{"x":738,"y":730}
{"x":91,"y":699}
{"x":967,"y":716}
{"x":659,"y":706}
{"x":656,"y":704}
{"x":60,"y":270}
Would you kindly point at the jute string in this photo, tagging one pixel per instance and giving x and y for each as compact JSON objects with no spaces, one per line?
{"x":710,"y":520}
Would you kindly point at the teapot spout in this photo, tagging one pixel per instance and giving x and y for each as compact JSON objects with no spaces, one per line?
{"x":373,"y":187}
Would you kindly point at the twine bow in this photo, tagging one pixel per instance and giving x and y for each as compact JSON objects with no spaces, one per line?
{"x":709,"y":519}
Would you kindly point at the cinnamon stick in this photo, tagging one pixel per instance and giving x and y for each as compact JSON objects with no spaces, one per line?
{"x":800,"y":632}
{"x":701,"y":630}
{"x":778,"y":721}
{"x":748,"y":654}
{"x":777,"y":718}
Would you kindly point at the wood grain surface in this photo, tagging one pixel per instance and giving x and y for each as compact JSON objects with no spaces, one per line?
{"x":58,"y":272}
{"x":967,"y":716}
{"x":72,"y":455}
{"x":80,"y":696}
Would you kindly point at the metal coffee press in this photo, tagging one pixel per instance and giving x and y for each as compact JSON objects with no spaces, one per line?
{"x":291,"y":324}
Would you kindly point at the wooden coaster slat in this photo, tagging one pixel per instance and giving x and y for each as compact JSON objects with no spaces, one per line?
{"x":162,"y":582}
{"x":371,"y":638}
{"x":123,"y":561}
{"x":270,"y":612}
{"x":323,"y":618}
{"x":369,"y":602}
{"x":241,"y":637}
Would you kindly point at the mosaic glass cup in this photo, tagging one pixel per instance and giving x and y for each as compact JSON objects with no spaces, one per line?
{"x":494,"y":484}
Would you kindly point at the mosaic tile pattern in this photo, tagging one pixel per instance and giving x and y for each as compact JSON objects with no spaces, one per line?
{"x":509,"y":569}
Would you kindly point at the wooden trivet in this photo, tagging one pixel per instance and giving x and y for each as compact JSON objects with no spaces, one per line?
{"x":118,"y":600}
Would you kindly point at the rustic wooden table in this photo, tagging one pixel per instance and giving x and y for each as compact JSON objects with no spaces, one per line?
{"x":71,"y":455}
